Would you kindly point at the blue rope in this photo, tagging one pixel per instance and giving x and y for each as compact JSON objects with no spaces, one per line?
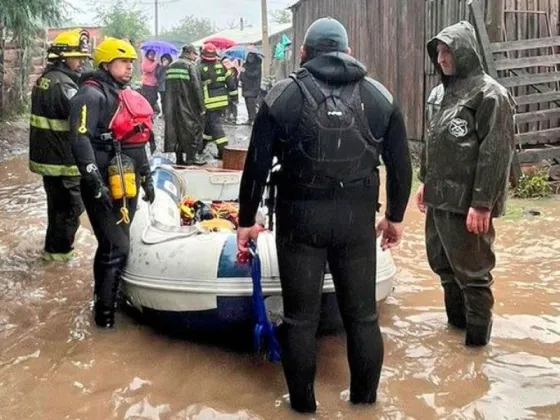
{"x":264,"y":329}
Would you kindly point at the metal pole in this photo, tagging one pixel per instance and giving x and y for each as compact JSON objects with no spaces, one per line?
{"x":156,"y":18}
{"x":265,"y":43}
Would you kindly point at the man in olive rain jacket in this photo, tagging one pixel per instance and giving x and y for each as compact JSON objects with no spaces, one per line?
{"x":184,"y":109}
{"x":464,"y":172}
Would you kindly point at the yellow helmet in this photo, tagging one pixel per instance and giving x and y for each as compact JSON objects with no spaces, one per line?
{"x":112,"y":48}
{"x":73,"y":43}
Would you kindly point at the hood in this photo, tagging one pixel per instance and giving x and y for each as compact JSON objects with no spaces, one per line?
{"x":100,"y":75}
{"x":461,"y":39}
{"x":336,"y":68}
{"x":60,"y":66}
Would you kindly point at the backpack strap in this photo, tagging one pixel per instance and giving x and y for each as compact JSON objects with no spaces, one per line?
{"x":308,"y":86}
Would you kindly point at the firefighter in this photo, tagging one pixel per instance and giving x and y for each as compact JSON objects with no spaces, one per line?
{"x":184,"y":109}
{"x":218,"y":89}
{"x":464,"y":172}
{"x":234,"y":100}
{"x":113,"y":165}
{"x":49,"y":145}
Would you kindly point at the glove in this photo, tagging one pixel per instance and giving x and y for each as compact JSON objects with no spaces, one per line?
{"x":103,"y":198}
{"x":97,"y":188}
{"x":149,"y":190}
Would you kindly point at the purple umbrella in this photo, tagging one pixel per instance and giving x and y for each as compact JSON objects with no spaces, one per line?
{"x":160,"y":47}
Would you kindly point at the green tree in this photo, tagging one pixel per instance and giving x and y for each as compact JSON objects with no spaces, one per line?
{"x":22,"y":21}
{"x":281,"y":16}
{"x":189,"y":29}
{"x":24,"y":18}
{"x":122,"y":20}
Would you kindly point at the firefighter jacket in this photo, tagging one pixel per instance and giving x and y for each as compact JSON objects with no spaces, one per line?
{"x":49,"y":143}
{"x":471,"y":135}
{"x":184,"y":104}
{"x":218,"y":85}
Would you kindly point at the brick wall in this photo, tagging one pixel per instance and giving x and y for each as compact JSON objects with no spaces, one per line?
{"x":21,"y":70}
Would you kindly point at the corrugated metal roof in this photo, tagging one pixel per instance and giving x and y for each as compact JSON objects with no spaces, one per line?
{"x":295,"y":3}
{"x":249,"y":35}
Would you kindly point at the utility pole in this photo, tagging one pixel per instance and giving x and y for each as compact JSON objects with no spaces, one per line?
{"x":156,"y":18}
{"x":265,"y":43}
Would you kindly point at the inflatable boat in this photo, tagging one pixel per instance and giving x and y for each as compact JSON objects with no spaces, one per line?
{"x":192,"y":278}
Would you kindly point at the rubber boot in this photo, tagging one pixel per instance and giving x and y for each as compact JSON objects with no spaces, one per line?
{"x":478,"y":335}
{"x":104,"y":315}
{"x":302,"y":398}
{"x":221,"y":148}
{"x":106,"y":298}
{"x":455,"y":306}
{"x":179,"y":159}
{"x":357,"y":397}
{"x":197,"y":161}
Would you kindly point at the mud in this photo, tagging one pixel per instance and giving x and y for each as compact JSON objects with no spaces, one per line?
{"x":55,"y":364}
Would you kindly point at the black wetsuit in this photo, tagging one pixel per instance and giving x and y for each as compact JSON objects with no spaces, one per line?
{"x":319,"y":224}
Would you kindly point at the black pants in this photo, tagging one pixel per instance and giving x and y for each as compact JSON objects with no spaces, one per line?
{"x":214,"y":131}
{"x":311,"y":232}
{"x":151,"y":94}
{"x":113,"y":240}
{"x":251,"y":104}
{"x":463,"y":261}
{"x":64,"y":207}
{"x":232,"y":111}
{"x":162,"y":100}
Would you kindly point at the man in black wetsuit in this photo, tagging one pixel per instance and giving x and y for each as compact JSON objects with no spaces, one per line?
{"x":328,"y":124}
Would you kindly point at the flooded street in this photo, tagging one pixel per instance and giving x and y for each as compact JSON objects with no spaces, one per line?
{"x":55,"y":364}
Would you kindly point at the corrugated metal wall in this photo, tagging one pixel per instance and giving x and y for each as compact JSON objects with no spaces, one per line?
{"x":389,"y":36}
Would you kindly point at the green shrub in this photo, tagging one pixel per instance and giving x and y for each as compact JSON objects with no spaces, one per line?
{"x":533,"y":186}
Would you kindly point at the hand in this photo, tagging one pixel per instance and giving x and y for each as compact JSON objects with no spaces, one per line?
{"x":419,"y":199}
{"x":392,"y":233}
{"x":478,"y":220}
{"x":103,"y":198}
{"x":149,"y":191}
{"x":245,"y":234}
{"x":96,"y":186}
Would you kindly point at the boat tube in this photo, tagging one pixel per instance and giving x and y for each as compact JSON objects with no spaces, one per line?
{"x":191,"y":278}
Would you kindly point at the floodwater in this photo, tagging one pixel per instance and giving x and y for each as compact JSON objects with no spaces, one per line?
{"x":55,"y":364}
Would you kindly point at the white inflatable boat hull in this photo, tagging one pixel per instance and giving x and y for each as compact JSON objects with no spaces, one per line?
{"x":178,"y":270}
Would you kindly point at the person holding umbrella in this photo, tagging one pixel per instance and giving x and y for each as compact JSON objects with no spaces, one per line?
{"x":149,"y":79}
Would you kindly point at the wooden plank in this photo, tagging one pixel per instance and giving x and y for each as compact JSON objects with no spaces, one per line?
{"x":480,"y":27}
{"x":538,"y":155}
{"x":539,"y":115}
{"x":536,"y":98}
{"x":526,"y":44}
{"x":552,"y":135}
{"x":519,"y":63}
{"x":531,"y":79}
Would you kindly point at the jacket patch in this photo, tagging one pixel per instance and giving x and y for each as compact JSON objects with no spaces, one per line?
{"x":458,"y":127}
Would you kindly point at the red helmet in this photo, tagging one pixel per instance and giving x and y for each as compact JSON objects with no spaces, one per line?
{"x":209,"y":52}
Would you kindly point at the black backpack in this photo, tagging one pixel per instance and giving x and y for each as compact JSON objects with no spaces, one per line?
{"x":333,"y":145}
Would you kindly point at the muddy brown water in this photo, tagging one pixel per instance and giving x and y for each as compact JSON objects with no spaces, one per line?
{"x":54,"y":363}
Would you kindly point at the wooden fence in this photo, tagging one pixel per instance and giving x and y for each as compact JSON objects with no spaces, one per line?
{"x":387,"y":36}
